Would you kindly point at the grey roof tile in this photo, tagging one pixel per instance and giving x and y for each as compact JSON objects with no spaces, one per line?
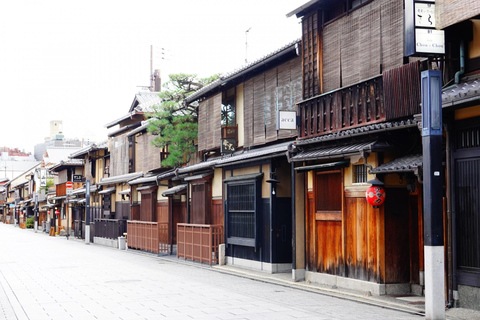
{"x":407,"y":163}
{"x":460,"y":93}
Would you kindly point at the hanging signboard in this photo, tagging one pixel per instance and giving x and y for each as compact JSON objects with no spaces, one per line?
{"x":228,"y":145}
{"x":421,"y":37}
{"x":287,"y":120}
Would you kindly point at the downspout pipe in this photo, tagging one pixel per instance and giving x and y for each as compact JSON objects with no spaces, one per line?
{"x":462,"y":62}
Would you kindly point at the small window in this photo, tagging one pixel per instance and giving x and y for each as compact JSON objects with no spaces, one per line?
{"x":329,"y":191}
{"x":359,"y":173}
{"x":228,"y":108}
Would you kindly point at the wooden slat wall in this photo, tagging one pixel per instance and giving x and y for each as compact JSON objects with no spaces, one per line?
{"x":118,"y":155}
{"x":248,"y":114}
{"x":362,"y":44}
{"x":259,"y":109}
{"x":402,"y":93}
{"x":350,"y":48}
{"x":202,"y":123}
{"x":332,"y":33}
{"x":147,"y":156}
{"x":209,"y":123}
{"x":271,"y":105}
{"x":276,"y":89}
{"x":392,"y":33}
{"x":310,"y":57}
{"x":369,"y":44}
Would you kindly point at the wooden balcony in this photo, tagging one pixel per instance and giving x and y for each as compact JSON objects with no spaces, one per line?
{"x":199,"y":242}
{"x":393,"y":95}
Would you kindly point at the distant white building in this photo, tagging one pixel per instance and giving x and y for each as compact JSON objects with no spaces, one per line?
{"x":14,"y":162}
{"x":57,"y":140}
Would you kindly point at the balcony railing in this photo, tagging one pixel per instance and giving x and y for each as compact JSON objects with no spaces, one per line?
{"x":199,"y":242}
{"x":393,"y":95}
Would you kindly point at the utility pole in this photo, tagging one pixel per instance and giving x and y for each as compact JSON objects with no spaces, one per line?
{"x":87,"y":212}
{"x":246,"y":44}
{"x":431,"y":82}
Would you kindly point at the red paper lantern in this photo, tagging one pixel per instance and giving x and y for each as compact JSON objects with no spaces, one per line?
{"x":57,"y":212}
{"x":375,"y":195}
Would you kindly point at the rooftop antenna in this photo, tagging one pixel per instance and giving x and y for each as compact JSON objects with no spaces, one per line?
{"x":246,"y":44}
{"x":152,"y":79}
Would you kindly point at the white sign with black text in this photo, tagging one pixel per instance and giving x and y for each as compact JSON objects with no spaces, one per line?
{"x":287,"y":120}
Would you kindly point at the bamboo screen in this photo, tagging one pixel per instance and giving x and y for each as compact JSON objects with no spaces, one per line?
{"x":119,"y":155}
{"x":209,"y":123}
{"x":264,"y":95}
{"x":362,"y":44}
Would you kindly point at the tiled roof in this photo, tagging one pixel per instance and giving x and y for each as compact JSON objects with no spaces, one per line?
{"x":337,"y":151}
{"x":270,"y":151}
{"x":87,"y":149}
{"x":121,"y":178}
{"x":174,"y":190}
{"x":67,"y":163}
{"x":242,"y":70}
{"x":461,"y":93}
{"x":368,"y":129}
{"x":145,"y":101}
{"x":407,"y":163}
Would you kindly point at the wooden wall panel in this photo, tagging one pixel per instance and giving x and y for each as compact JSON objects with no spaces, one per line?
{"x":118,"y":155}
{"x":271,"y":105}
{"x":392,"y":33}
{"x":329,"y":247}
{"x":179,"y":216}
{"x":332,"y":33}
{"x":217,"y":212}
{"x":162,"y":212}
{"x":397,"y":253}
{"x":310,"y":234}
{"x":361,"y":245}
{"x":248,"y":113}
{"x":209,"y":123}
{"x":259,"y":109}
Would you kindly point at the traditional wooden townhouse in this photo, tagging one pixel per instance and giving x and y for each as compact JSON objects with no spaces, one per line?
{"x":3,"y":199}
{"x":357,"y":128}
{"x":460,"y":20}
{"x":240,"y":192}
{"x":61,"y":211}
{"x":156,"y":200}
{"x":96,"y":161}
{"x":118,"y":203}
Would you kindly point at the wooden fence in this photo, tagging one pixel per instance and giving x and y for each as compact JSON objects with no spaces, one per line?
{"x":199,"y":242}
{"x":143,"y":235}
{"x":110,"y":228}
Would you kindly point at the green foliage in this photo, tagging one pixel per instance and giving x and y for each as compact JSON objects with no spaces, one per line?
{"x":174,"y":122}
{"x":30,"y":223}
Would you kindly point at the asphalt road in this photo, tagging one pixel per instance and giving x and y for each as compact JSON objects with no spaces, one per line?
{"x":45,"y":277}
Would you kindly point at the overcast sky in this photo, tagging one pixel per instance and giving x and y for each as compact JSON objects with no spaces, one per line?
{"x":83,"y":61}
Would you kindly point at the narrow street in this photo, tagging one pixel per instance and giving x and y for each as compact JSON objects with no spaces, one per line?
{"x":44,"y":277}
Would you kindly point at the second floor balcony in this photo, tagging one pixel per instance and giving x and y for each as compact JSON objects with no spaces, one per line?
{"x":392,"y":95}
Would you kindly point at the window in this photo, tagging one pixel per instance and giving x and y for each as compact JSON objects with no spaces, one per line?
{"x":228,"y":108}
{"x":243,"y":209}
{"x":328,"y":199}
{"x":359,"y":173}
